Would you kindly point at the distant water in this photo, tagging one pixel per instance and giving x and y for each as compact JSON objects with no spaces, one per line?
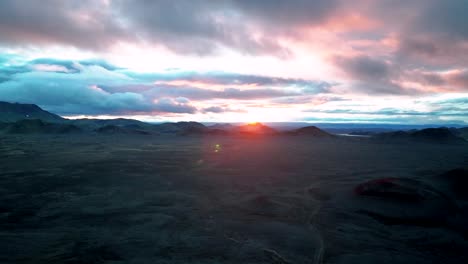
{"x":350,"y":135}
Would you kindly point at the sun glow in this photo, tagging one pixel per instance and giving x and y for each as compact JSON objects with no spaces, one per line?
{"x":253,"y":123}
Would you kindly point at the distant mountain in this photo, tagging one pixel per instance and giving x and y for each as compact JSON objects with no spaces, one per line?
{"x":37,"y":126}
{"x":222,"y":126}
{"x":30,"y":118}
{"x":12,"y":112}
{"x":441,"y":134}
{"x":311,"y":131}
{"x":180,"y":128}
{"x":93,"y":124}
{"x":113,"y":130}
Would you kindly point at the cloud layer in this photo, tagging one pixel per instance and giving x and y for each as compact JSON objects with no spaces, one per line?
{"x":93,"y":87}
{"x":233,"y":55}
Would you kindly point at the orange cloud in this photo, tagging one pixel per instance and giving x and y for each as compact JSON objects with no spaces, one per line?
{"x":350,"y":22}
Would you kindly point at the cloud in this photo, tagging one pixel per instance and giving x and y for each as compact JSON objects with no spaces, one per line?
{"x":358,"y":48}
{"x":408,"y":120}
{"x":308,"y":99}
{"x":74,"y":65}
{"x":221,"y":109}
{"x":439,"y":81}
{"x":365,"y":68}
{"x":383,"y":111}
{"x":60,"y":93}
{"x":186,"y":27}
{"x":177,"y":105}
{"x":207,"y":94}
{"x":424,"y":29}
{"x":214,"y":109}
{"x":459,"y":79}
{"x":372,"y":76}
{"x":376,"y":76}
{"x":431,"y":33}
{"x":80,"y":92}
{"x":224,"y":78}
{"x":221,"y":85}
{"x":49,"y":68}
{"x":426,"y":78}
{"x":202,"y":27}
{"x":96,"y":87}
{"x":85,"y":24}
{"x":289,"y":13}
{"x":461,"y":101}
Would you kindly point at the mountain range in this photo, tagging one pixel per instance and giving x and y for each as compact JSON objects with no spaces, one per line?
{"x":16,"y":118}
{"x":12,"y":112}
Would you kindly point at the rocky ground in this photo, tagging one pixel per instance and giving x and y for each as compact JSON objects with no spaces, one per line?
{"x":219,"y":199}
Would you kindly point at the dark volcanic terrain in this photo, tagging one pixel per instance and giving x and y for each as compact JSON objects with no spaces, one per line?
{"x":124,"y":198}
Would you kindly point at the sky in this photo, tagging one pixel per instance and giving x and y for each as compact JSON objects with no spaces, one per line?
{"x":362,"y":61}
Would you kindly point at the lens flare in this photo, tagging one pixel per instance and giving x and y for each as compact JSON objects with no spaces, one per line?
{"x":217,"y":148}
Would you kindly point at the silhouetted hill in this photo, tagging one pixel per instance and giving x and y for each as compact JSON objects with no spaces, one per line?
{"x":255,"y":129}
{"x":311,"y":131}
{"x":12,"y":112}
{"x":441,"y":134}
{"x":222,"y":126}
{"x":180,"y":128}
{"x":37,"y":126}
{"x":93,"y":124}
{"x":113,"y":129}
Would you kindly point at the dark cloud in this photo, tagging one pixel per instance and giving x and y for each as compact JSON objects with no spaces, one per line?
{"x":456,"y":80}
{"x":432,"y":51}
{"x":446,"y":18}
{"x":214,"y":109}
{"x":379,"y":76}
{"x":85,"y":24}
{"x":288,"y":13}
{"x":426,"y":38}
{"x":426,"y":78}
{"x":220,"y":109}
{"x":372,"y":76}
{"x":197,"y":26}
{"x":424,"y":29}
{"x":203,"y":26}
{"x":365,"y":68}
{"x":430,"y":32}
{"x":175,"y":24}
